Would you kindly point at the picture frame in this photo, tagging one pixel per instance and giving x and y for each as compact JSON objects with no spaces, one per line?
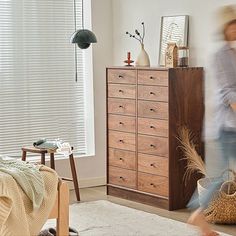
{"x":174,"y":29}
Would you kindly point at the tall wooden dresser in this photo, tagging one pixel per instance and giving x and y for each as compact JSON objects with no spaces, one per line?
{"x":146,"y":107}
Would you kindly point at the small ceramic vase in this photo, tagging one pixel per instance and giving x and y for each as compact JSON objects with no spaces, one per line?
{"x":143,"y":58}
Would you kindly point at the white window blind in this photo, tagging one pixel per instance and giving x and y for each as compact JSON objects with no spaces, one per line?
{"x":39,"y":97}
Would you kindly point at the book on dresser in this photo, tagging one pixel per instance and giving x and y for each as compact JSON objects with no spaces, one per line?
{"x":146,"y":107}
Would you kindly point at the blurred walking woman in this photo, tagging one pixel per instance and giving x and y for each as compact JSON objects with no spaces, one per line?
{"x":225,"y":76}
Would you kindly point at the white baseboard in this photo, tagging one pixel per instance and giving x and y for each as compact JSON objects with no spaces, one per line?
{"x":91,"y":182}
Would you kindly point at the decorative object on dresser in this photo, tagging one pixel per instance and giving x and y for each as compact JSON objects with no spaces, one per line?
{"x":146,"y":107}
{"x":173,"y":29}
{"x":143,"y":58}
{"x":128,"y":61}
{"x":171,"y":55}
{"x":183,"y":56}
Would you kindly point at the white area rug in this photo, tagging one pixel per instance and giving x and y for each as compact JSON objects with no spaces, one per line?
{"x":103,"y":218}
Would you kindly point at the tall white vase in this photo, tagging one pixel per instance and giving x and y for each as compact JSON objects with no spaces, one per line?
{"x":143,"y":58}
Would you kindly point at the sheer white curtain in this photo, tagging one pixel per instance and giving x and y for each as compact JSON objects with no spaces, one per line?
{"x":39,"y":97}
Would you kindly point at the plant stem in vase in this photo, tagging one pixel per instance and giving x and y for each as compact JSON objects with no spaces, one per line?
{"x":143,"y":58}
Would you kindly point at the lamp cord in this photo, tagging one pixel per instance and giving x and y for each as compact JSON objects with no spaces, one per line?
{"x":82,"y":14}
{"x":75,"y":23}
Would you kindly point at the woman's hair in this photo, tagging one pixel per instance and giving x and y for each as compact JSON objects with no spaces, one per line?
{"x":225,"y":28}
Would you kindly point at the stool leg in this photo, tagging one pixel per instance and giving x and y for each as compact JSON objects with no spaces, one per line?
{"x":74,"y":176}
{"x":23,"y":158}
{"x":43,"y":158}
{"x":52,"y":161}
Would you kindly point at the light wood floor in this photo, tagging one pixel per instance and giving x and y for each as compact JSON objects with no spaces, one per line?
{"x":99,"y":193}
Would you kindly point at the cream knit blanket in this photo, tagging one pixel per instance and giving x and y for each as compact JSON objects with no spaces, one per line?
{"x":28,"y":176}
{"x":17,"y":215}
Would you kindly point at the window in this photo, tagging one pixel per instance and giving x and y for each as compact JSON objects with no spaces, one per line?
{"x":38,"y":93}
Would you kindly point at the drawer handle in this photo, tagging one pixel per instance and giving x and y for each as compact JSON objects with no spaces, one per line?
{"x":120,"y":76}
{"x":121,"y":106}
{"x":151,"y":109}
{"x":121,"y":91}
{"x":151,"y":93}
{"x":121,"y":159}
{"x":121,"y":123}
{"x":151,"y":77}
{"x":121,"y":141}
{"x":152,"y":145}
{"x":153,"y":165}
{"x":122,"y":178}
{"x":152,"y":127}
{"x":156,"y":185}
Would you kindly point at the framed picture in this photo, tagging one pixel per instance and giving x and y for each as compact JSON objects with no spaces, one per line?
{"x":174,"y":29}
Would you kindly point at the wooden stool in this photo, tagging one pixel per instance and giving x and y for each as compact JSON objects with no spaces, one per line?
{"x":43,"y":153}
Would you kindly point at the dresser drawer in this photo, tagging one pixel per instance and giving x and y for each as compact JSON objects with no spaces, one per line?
{"x":121,"y":106}
{"x":122,"y":76}
{"x":121,"y":140}
{"x":153,"y":93}
{"x":153,"y":184}
{"x":153,"y":127}
{"x":153,"y":145}
{"x":155,"y":165}
{"x":122,"y":177}
{"x":121,"y":123}
{"x":121,"y":91}
{"x":151,"y":77}
{"x":121,"y":158}
{"x":153,"y":109}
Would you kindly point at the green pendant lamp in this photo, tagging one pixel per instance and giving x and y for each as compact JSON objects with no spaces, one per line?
{"x":83,"y":37}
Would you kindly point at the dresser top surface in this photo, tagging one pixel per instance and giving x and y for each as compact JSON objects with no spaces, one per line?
{"x":152,"y":68}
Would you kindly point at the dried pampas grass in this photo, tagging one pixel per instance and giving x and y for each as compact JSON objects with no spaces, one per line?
{"x":194,"y":161}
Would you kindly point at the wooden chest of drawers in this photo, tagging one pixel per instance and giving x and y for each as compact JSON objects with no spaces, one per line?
{"x":145,"y":109}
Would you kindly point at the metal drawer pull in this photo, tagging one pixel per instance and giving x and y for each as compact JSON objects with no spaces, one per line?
{"x":121,"y":106}
{"x":151,"y":109}
{"x":121,"y":141}
{"x":151,"y":93}
{"x":152,"y":145}
{"x":121,"y":159}
{"x":122,"y":178}
{"x":152,"y":127}
{"x":153,"y":165}
{"x":120,"y":76}
{"x":121,"y":91}
{"x":156,"y":185}
{"x":151,"y":77}
{"x":121,"y":123}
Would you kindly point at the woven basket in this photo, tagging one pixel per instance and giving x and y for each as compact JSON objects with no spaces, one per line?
{"x":222,"y":207}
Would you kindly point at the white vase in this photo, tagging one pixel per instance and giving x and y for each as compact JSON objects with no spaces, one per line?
{"x":143,"y":58}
